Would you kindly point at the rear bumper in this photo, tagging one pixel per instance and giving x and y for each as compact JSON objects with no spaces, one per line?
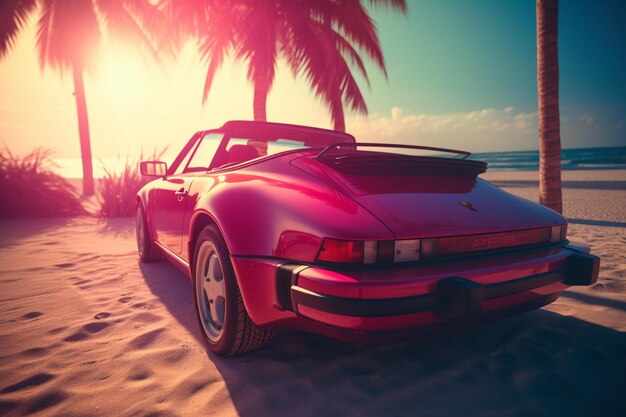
{"x":401,"y":303}
{"x":456,"y":298}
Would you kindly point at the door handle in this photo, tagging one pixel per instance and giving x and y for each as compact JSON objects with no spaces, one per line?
{"x":180,"y":194}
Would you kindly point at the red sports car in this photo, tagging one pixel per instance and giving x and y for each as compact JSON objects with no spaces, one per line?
{"x":296,"y":227}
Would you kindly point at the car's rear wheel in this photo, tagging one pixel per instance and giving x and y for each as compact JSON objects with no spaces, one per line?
{"x":145,"y":247}
{"x":223,"y":319}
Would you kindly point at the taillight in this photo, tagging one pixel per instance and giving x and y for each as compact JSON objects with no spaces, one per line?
{"x":386,"y":251}
{"x":407,"y":250}
{"x":369,"y":251}
{"x":348,"y":251}
{"x":558,"y":233}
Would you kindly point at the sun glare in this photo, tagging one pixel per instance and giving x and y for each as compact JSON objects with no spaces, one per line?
{"x":122,"y":72}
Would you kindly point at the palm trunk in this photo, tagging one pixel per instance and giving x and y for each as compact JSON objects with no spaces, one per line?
{"x":549,"y":119}
{"x":339,"y":120}
{"x":261,"y":90}
{"x":83,"y":130}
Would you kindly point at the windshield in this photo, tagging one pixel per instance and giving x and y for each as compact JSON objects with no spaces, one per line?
{"x":267,"y":148}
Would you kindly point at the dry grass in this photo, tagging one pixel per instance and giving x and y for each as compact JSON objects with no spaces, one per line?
{"x":118,"y":190}
{"x":30,"y":188}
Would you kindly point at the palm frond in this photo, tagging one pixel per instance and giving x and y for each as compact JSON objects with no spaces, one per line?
{"x":68,"y":34}
{"x":258,"y":41}
{"x":13,"y":16}
{"x":397,"y":5}
{"x":215,"y":41}
{"x":354,"y":22}
{"x":133,"y":20}
{"x":215,"y":61}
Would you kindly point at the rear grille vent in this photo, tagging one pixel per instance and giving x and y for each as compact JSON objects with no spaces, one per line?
{"x":394,"y":164}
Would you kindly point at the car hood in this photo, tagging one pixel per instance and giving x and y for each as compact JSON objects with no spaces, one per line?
{"x":434,"y":203}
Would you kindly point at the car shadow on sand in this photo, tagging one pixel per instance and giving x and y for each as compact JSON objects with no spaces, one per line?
{"x":540,"y":363}
{"x":174,"y":289}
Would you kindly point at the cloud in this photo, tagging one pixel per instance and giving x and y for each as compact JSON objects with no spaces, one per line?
{"x":478,"y":131}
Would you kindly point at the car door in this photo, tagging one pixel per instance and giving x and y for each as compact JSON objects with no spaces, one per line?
{"x":170,"y":197}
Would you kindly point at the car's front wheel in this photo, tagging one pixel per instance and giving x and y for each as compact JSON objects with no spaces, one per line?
{"x":224,"y":321}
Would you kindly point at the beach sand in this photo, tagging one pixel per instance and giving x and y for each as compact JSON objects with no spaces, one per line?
{"x":86,"y":330}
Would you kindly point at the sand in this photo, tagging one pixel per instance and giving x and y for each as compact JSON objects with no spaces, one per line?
{"x":86,"y":330}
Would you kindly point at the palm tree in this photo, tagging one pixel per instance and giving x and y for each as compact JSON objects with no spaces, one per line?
{"x":549,"y":119}
{"x":68,"y":36}
{"x":320,"y":39}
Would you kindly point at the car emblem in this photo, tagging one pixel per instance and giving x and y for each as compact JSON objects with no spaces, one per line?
{"x":468,"y":205}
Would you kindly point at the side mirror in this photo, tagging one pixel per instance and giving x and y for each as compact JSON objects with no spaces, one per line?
{"x":153,"y":168}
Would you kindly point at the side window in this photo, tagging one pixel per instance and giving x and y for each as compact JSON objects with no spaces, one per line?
{"x":204,"y":153}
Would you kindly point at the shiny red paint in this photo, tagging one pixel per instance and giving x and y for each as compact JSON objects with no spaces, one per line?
{"x":168,"y":210}
{"x":278,"y":209}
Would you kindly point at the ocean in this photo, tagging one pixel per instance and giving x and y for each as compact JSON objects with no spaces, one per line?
{"x":571,"y":159}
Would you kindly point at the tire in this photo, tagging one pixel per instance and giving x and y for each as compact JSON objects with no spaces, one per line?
{"x":145,"y":246}
{"x":221,"y":314}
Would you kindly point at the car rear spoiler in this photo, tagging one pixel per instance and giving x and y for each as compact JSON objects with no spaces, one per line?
{"x":385,"y":163}
{"x":339,"y":145}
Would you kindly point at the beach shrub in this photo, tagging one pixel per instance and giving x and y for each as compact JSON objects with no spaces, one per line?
{"x":29,"y":187}
{"x":117,"y":192}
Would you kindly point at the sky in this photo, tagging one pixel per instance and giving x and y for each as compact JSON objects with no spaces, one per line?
{"x":461,"y":74}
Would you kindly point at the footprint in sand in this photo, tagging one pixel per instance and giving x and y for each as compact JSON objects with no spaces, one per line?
{"x":145,"y":340}
{"x":124,"y":299}
{"x":47,"y":400}
{"x":31,"y":381}
{"x":101,"y":316}
{"x":91,"y":328}
{"x":78,"y":336}
{"x":56,"y":330}
{"x":144,"y":306}
{"x":139,"y":374}
{"x":6,"y":406}
{"x":32,"y":315}
{"x":65,"y":265}
{"x":96,"y":327}
{"x":35,"y":351}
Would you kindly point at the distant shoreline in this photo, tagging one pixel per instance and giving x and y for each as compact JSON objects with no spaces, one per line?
{"x":579,"y":159}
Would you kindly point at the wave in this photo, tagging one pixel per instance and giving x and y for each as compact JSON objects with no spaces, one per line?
{"x":571,"y":159}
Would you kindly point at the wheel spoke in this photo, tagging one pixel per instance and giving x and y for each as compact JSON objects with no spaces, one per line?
{"x":207,"y":270}
{"x":218,"y":290}
{"x":208,"y":289}
{"x":211,"y":291}
{"x":205,"y":309}
{"x":217,"y":312}
{"x":215,"y":271}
